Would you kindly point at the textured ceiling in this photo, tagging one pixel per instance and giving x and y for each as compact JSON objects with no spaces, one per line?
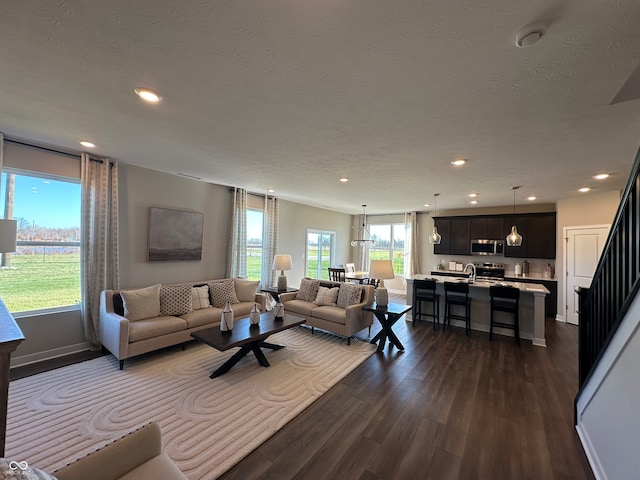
{"x":292,"y":95}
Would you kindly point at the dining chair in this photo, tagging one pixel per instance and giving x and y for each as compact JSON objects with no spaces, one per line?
{"x":337,"y":274}
{"x":350,"y":267}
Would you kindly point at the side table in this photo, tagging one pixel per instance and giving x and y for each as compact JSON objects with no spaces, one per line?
{"x":275,"y":293}
{"x":387,"y":316}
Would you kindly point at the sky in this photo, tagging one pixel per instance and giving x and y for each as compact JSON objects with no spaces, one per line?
{"x":44,"y":202}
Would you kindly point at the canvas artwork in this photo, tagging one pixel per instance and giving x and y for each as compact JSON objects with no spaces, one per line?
{"x":174,"y":235}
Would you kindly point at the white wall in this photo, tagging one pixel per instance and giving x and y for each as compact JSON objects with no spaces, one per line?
{"x":295,"y":219}
{"x":588,"y":209}
{"x":608,"y":415}
{"x":140,"y":189}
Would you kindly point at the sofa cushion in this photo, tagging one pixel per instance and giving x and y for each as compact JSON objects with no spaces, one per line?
{"x":202,"y":316}
{"x":331,"y":314}
{"x":327,"y":296}
{"x":308,"y":290}
{"x":246,"y":289}
{"x":176,"y":300}
{"x":141,"y":303}
{"x":349,"y":294}
{"x":222,"y":292}
{"x":300,"y":307}
{"x":154,"y":327}
{"x":200,"y":297}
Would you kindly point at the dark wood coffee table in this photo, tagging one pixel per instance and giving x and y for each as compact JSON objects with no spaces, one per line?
{"x":250,"y":338}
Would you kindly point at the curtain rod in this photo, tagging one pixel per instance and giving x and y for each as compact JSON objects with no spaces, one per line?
{"x":261,"y":195}
{"x":46,"y":149}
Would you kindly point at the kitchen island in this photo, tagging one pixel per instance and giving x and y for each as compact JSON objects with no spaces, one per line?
{"x":531,"y":312}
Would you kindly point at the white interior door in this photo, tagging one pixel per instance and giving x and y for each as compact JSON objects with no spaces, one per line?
{"x":584,"y":246}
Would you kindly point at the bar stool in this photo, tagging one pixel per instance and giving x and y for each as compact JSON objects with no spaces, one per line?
{"x":457,"y":294}
{"x":505,"y":299}
{"x":425,"y":291}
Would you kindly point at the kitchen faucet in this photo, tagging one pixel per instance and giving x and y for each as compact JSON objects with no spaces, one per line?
{"x":472,"y":276}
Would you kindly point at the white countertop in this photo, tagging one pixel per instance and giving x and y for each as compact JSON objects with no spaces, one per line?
{"x":511,"y":275}
{"x":523,"y":287}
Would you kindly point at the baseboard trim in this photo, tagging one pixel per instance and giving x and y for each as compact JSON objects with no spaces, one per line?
{"x":49,"y":354}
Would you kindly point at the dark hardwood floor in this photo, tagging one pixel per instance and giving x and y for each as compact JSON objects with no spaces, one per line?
{"x":449,"y":407}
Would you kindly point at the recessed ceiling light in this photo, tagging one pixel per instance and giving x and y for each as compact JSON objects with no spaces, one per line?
{"x":427,"y":205}
{"x":147,"y":95}
{"x":84,"y":143}
{"x":584,"y":189}
{"x":271,"y":190}
{"x":601,"y":176}
{"x":531,"y":198}
{"x":344,"y":179}
{"x":473,"y":202}
{"x":473,"y":195}
{"x":459,"y":162}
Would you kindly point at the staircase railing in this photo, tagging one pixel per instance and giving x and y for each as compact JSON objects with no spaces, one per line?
{"x":615,"y":283}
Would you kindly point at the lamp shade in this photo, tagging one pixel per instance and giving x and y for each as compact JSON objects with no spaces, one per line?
{"x":8,"y":231}
{"x":282,"y":262}
{"x":381,"y":269}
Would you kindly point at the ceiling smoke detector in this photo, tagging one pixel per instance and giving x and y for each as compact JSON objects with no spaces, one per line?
{"x":529,"y":35}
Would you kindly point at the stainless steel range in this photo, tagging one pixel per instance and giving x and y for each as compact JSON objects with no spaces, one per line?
{"x":488,"y":272}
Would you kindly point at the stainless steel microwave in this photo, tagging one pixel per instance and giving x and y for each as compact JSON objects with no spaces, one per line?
{"x":487,"y":247}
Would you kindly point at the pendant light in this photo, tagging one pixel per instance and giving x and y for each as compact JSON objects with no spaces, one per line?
{"x":435,"y":238}
{"x":362,"y":234}
{"x":514,"y":239}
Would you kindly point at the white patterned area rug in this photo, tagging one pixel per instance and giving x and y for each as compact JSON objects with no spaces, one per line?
{"x":208,"y":425}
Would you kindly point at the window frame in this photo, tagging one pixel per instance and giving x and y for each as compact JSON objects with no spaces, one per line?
{"x":58,"y":178}
{"x":332,"y":251}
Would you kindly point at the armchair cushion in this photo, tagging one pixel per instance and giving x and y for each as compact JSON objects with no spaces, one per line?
{"x":141,"y":303}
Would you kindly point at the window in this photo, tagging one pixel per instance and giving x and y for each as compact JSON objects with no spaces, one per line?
{"x":320,"y":248}
{"x":255,"y":221}
{"x":390,"y":242}
{"x":44,"y":272}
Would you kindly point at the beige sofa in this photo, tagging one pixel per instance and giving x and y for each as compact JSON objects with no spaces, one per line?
{"x":137,"y":321}
{"x":136,"y":456}
{"x":342,"y":315}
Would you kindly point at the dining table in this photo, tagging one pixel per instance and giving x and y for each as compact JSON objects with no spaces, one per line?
{"x":360,"y":277}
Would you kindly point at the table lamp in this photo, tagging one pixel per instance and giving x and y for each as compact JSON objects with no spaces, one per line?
{"x":282,"y":263}
{"x":381,"y":270}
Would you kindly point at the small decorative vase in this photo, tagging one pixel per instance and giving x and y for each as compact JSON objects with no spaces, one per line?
{"x":226,"y":321}
{"x":254,"y":315}
{"x":278,"y":311}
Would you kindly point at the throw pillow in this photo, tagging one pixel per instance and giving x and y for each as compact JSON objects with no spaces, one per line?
{"x":200,"y":297}
{"x":327,"y":296}
{"x":176,"y":300}
{"x":246,"y":289}
{"x":14,"y":470}
{"x":349,"y":294}
{"x":308,"y":290}
{"x":141,"y":303}
{"x":222,"y":292}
